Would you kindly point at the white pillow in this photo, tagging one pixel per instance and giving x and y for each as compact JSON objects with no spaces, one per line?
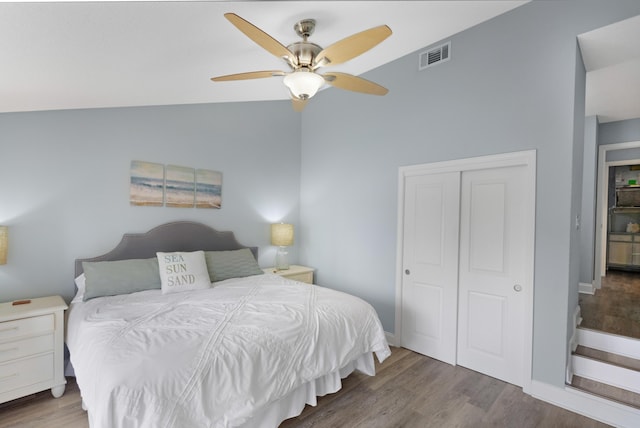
{"x":81,"y":284}
{"x":182,"y":271}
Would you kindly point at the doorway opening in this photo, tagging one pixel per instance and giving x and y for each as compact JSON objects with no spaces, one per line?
{"x":614,"y":307}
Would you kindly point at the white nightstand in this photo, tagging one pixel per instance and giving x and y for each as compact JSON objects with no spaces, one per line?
{"x":32,"y":348}
{"x":295,"y":272}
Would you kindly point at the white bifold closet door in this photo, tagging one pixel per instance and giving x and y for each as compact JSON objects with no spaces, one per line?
{"x":464,"y":265}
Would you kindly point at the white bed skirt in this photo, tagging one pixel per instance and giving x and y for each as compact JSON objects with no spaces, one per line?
{"x":293,"y":403}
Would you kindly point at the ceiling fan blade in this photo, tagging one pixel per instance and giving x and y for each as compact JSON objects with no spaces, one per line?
{"x":352,"y":46}
{"x":298,"y":104}
{"x":249,"y":75}
{"x":354,"y":83}
{"x":260,"y":37}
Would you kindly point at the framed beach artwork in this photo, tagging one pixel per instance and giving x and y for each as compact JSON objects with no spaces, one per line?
{"x":154,"y":184}
{"x":179,"y":186}
{"x":147,"y":184}
{"x":208,"y":189}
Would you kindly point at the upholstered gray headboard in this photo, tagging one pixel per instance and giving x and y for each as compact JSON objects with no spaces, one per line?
{"x":174,"y":236}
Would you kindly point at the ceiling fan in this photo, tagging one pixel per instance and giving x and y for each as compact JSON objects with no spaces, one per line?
{"x":305,"y":58}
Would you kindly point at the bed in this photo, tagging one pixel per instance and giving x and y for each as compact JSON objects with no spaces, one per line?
{"x":247,"y":350}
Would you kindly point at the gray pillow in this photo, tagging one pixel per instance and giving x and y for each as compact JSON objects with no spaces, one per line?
{"x":120,"y":277}
{"x":231,"y":264}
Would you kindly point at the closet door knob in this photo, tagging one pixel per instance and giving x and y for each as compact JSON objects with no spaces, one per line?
{"x":517,"y":287}
{"x":407,"y":271}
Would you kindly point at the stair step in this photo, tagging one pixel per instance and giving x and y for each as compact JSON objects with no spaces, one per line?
{"x":609,"y":392}
{"x":604,"y":372}
{"x":608,"y":357}
{"x":620,"y":345}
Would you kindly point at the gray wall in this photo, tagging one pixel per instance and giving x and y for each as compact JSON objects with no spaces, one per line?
{"x":510,"y":85}
{"x":621,"y":155}
{"x":588,"y":214}
{"x":576,"y":192}
{"x":619,"y":132}
{"x":64,"y":181}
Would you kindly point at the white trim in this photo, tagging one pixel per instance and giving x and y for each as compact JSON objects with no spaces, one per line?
{"x":569,"y":372}
{"x":577,"y":319}
{"x":586,"y":288}
{"x":620,"y":345}
{"x":600,"y":256}
{"x":573,"y":343}
{"x":525,"y":158}
{"x":609,"y":374}
{"x":391,"y":338}
{"x":399,"y":261}
{"x":589,"y":405}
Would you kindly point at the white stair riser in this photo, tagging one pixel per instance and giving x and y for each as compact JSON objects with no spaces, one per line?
{"x":620,"y":345}
{"x":609,"y":374}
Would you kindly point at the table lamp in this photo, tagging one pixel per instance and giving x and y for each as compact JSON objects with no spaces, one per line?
{"x":282,"y":236}
{"x":4,"y":244}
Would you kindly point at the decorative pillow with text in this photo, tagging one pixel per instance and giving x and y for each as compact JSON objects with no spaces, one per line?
{"x":183,"y":271}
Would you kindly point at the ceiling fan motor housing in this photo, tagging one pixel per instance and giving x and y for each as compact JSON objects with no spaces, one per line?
{"x":305,"y":54}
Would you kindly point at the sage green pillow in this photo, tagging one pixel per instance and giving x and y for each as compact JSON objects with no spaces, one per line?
{"x":231,"y":264}
{"x":120,"y":277}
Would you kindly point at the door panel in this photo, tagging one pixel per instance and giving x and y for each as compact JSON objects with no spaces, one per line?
{"x":486,"y":312}
{"x":430,"y":265}
{"x":492,"y":275}
{"x":486,"y":229}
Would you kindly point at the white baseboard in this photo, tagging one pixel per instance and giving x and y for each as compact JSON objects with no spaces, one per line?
{"x":620,"y":345}
{"x":391,"y":339}
{"x":586,"y":288}
{"x":594,"y":407}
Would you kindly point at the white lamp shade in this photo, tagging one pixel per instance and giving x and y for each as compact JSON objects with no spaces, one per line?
{"x":4,"y":244}
{"x":282,"y":234}
{"x":303,"y":84}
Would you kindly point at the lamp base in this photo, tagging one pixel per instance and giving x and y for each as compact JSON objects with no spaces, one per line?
{"x":281,"y":259}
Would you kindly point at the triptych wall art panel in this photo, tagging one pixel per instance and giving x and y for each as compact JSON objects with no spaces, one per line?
{"x":154,"y":184}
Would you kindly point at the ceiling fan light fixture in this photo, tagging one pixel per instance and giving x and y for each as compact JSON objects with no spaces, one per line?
{"x":303,"y":83}
{"x":305,"y":57}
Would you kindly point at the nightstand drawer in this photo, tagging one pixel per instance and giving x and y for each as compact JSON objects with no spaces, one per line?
{"x":295,"y":272}
{"x":26,"y":327}
{"x":25,"y":347}
{"x":25,"y":372}
{"x":302,"y":277}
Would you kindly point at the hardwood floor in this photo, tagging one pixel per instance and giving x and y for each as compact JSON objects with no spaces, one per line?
{"x":41,"y":410}
{"x":414,"y":391}
{"x":614,"y":308}
{"x":409,"y":391}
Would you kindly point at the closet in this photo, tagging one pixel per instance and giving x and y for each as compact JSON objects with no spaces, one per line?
{"x":467,"y":263}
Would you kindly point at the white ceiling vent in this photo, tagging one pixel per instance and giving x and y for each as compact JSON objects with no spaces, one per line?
{"x":434,"y":56}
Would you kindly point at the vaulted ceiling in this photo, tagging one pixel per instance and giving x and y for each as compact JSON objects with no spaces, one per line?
{"x":74,"y":55}
{"x":109,"y":54}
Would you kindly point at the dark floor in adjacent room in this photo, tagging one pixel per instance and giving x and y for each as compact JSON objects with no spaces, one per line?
{"x":614,"y":308}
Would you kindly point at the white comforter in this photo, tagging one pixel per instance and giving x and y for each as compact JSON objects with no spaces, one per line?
{"x":212,"y":358}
